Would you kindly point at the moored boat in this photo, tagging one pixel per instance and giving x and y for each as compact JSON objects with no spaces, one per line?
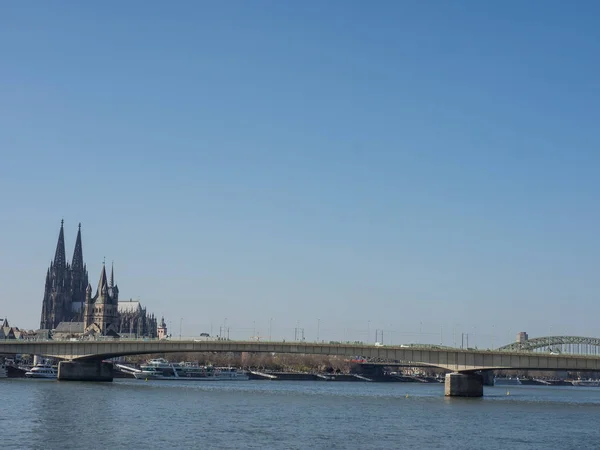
{"x":230,"y":373}
{"x":160,"y":369}
{"x":587,"y":383}
{"x":42,"y":371}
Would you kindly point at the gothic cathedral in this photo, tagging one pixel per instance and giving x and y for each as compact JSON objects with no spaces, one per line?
{"x":68,"y":299}
{"x":65,"y":285}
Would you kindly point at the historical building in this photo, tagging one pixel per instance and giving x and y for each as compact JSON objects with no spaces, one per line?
{"x":101,"y":312}
{"x":162,"y":329}
{"x":65,"y":285}
{"x":8,"y":332}
{"x":134,"y":321}
{"x":70,"y":308}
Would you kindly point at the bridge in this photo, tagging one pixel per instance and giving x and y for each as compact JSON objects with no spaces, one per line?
{"x":85,"y":357}
{"x":557,"y":344}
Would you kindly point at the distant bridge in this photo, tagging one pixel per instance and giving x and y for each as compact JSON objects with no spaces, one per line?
{"x":573,"y":345}
{"x":457,"y":360}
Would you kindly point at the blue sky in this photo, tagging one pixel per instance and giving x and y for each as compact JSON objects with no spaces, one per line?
{"x":415,"y":167}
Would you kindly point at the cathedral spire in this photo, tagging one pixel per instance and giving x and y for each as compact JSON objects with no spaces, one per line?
{"x":59,"y":256}
{"x":78,"y":253}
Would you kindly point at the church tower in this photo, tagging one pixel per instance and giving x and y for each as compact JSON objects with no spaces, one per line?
{"x":56,"y":306}
{"x":162,"y":329}
{"x":102,"y":311}
{"x":79,"y":280}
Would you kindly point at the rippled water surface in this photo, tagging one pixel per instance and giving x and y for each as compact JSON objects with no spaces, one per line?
{"x":132,"y":414}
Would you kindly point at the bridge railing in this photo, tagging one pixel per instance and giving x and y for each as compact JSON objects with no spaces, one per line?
{"x":218,"y":339}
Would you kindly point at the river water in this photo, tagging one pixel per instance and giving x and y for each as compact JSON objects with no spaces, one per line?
{"x":133,"y":414}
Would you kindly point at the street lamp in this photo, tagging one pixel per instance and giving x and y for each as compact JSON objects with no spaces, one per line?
{"x":318,"y":327}
{"x":180,"y":323}
{"x":270,"y":327}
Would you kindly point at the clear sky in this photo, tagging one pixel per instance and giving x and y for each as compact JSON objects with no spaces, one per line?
{"x":417,"y":166}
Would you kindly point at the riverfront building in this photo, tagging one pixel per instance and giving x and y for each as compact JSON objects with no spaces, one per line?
{"x":69,"y":306}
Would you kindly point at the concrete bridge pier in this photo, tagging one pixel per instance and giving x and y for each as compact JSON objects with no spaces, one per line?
{"x":85,"y":371}
{"x":463,"y":385}
{"x":488,"y":377}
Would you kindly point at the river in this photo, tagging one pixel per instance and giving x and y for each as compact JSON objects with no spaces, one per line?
{"x":132,"y":414}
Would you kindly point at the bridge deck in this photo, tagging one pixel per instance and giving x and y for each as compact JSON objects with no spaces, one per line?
{"x":448,"y":358}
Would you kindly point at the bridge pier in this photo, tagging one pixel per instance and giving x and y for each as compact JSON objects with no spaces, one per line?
{"x":85,"y":371}
{"x":463,"y":385}
{"x":488,"y":377}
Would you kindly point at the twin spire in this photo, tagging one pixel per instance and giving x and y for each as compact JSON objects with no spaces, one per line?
{"x":78,"y":252}
{"x":60,"y":259}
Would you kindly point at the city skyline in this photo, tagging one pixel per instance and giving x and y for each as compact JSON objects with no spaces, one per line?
{"x":459,"y":335}
{"x":332,"y":165}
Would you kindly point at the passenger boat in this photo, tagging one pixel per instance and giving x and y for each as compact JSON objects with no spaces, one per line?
{"x":159,"y":363}
{"x":42,"y":371}
{"x":161,"y":369}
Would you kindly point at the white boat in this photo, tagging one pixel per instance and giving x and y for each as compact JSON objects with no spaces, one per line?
{"x":506,"y":381}
{"x":161,"y":369}
{"x":42,"y":371}
{"x":159,"y":363}
{"x":230,"y":373}
{"x":157,"y":368}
